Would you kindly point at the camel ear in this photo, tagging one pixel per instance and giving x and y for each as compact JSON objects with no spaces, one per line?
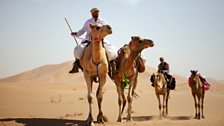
{"x":193,"y":72}
{"x":135,"y":38}
{"x":91,"y":26}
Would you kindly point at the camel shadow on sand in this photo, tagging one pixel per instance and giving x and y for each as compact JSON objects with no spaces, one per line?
{"x":67,"y":122}
{"x":176,"y":118}
{"x":141,"y":118}
{"x":45,"y":122}
{"x":172,"y":118}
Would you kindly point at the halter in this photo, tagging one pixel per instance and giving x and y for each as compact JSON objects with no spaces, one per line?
{"x":91,"y":40}
{"x":97,"y":39}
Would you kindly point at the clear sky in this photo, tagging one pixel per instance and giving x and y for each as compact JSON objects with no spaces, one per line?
{"x":189,"y":34}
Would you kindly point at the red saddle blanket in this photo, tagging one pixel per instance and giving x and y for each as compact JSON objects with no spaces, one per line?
{"x":205,"y":85}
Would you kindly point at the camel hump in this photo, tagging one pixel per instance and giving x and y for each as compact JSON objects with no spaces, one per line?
{"x":123,"y":53}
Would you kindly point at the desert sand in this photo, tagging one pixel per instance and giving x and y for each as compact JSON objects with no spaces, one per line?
{"x":49,"y":96}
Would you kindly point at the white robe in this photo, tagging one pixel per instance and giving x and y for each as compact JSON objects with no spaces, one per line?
{"x":79,"y":49}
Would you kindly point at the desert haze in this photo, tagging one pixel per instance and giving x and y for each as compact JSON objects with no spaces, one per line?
{"x":49,"y":96}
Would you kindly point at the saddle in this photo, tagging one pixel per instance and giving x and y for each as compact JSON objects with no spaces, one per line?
{"x":123,"y":53}
{"x":171,"y":81}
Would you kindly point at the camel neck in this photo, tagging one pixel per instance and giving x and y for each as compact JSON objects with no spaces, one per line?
{"x":130,"y":60}
{"x":96,"y":51}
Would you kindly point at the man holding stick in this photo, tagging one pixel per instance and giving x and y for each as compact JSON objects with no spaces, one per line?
{"x":79,"y":49}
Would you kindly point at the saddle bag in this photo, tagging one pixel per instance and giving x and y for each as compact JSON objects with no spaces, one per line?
{"x":152,"y":80}
{"x":206,"y":86}
{"x":140,"y":65}
{"x":171,"y":85}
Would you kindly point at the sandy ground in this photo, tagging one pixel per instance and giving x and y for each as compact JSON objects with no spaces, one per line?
{"x":38,"y":103}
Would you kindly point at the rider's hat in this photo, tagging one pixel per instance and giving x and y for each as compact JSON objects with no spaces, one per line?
{"x":93,"y":10}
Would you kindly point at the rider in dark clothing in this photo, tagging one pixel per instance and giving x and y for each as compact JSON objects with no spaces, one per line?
{"x":163,"y":67}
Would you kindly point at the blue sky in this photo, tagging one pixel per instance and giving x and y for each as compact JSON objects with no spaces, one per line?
{"x":189,"y":34}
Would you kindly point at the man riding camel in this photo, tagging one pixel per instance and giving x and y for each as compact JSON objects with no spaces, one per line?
{"x":164,"y":68}
{"x":111,"y":51}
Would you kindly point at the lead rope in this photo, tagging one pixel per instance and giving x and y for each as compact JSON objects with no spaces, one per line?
{"x":97,"y":72}
{"x":97,"y":68}
{"x":135,"y":78}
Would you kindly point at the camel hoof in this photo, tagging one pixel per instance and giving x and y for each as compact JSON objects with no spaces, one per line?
{"x":90,"y":123}
{"x":101,"y":119}
{"x":203,"y":117}
{"x":119,"y":119}
{"x":129,"y":119}
{"x":196,"y":116}
{"x":199,"y":116}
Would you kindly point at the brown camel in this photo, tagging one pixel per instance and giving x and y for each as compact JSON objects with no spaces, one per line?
{"x":94,"y":63}
{"x":126,"y":70}
{"x":196,"y":88}
{"x":160,"y":85}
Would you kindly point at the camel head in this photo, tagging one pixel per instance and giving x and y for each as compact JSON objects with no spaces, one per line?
{"x":99,"y":32}
{"x":137,"y":44}
{"x":194,"y":76}
{"x":194,"y":72}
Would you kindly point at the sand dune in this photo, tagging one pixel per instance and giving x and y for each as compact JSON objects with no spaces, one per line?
{"x":59,"y":73}
{"x":49,"y":96}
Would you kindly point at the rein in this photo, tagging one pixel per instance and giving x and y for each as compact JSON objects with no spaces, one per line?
{"x":99,"y":80}
{"x":97,"y":39}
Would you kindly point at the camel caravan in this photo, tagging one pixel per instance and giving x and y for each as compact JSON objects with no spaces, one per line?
{"x":96,"y":58}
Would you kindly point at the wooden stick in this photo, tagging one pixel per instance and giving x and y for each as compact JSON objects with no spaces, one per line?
{"x":71,"y":30}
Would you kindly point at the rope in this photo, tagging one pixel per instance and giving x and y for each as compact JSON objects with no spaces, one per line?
{"x":137,"y":59}
{"x":125,"y":75}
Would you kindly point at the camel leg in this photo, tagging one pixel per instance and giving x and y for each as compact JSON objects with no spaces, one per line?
{"x":124,"y":100}
{"x":167,"y":98}
{"x":119,"y":103}
{"x":99,"y":95}
{"x":199,"y":107}
{"x":129,"y":98}
{"x":202,"y":104}
{"x":90,"y":100}
{"x":195,"y":104}
{"x":164,"y":97}
{"x":158,"y":97}
{"x":134,"y":94}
